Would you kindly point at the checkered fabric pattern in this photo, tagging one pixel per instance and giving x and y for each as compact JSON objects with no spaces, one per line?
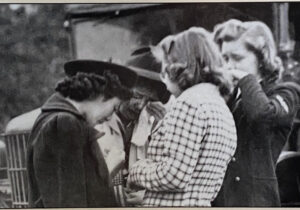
{"x":189,"y":153}
{"x":118,"y":183}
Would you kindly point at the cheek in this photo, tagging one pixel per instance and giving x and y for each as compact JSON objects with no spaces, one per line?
{"x":251,"y":65}
{"x":165,"y":82}
{"x":243,"y":64}
{"x":111,"y":108}
{"x":168,"y":86}
{"x":247,"y":64}
{"x":108,"y":112}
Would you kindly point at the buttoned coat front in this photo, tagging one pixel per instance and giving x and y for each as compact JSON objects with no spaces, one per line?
{"x":65,"y":165}
{"x":263,"y":117}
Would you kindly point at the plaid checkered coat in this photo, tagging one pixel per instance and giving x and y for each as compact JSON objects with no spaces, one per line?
{"x":189,"y":152}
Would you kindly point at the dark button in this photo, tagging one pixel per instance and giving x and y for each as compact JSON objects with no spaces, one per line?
{"x":149,"y":138}
{"x":237,"y":179}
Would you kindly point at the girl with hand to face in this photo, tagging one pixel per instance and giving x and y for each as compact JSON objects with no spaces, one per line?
{"x":263,"y":110}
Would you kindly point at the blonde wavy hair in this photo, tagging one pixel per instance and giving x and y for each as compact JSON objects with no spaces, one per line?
{"x":191,"y":57}
{"x":258,"y":38}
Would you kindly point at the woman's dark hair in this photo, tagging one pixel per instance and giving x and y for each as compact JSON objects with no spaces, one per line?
{"x":191,"y":57}
{"x":88,"y":86}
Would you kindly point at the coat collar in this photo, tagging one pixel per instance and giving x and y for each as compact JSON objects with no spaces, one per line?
{"x":201,"y":88}
{"x":58,"y":103}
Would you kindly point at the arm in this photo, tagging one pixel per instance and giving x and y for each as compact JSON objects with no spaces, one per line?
{"x":61,"y":175}
{"x":258,"y":106}
{"x":185,"y":128}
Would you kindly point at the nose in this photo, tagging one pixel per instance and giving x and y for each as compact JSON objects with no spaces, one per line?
{"x":230,"y":64}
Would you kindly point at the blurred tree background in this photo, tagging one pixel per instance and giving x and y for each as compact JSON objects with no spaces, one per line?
{"x":34,"y":46}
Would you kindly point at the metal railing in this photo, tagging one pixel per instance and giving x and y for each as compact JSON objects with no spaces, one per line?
{"x":16,"y":167}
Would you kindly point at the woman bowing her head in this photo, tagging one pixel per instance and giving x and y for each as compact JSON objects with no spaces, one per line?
{"x":65,"y":166}
{"x":188,"y":153}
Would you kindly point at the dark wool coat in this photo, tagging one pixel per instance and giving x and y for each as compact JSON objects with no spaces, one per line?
{"x":65,"y":165}
{"x":263,"y":119}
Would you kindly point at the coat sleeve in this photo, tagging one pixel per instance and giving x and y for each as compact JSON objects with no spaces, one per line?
{"x":59,"y":163}
{"x":279,"y":107}
{"x":183,"y":135}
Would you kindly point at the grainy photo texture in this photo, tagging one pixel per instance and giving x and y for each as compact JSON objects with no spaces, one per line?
{"x":150,"y":105}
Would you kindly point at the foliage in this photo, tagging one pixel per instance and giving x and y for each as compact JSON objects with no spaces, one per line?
{"x":34,"y":47}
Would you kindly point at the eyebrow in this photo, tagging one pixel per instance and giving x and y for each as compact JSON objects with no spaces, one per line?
{"x":234,"y":53}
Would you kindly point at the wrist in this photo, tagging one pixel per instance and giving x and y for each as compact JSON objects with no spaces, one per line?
{"x":245,"y":80}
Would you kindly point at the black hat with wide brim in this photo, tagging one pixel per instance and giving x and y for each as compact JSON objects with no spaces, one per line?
{"x":127,"y":76}
{"x":148,"y":71}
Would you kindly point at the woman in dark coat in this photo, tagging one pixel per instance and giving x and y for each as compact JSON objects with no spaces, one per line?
{"x":65,"y":165}
{"x":263,"y":110}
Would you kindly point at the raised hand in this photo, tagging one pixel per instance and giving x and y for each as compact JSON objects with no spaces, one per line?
{"x":156,"y":109}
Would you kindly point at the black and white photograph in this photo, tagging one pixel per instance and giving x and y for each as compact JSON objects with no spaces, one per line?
{"x":149,"y":105}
